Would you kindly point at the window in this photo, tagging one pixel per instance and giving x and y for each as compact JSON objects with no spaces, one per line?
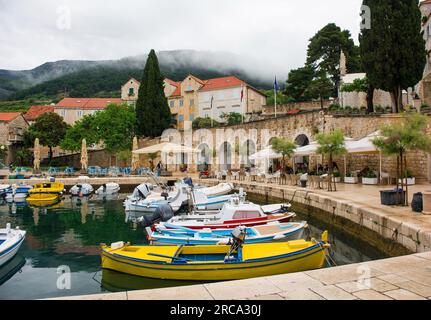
{"x":63,"y":113}
{"x":79,"y":113}
{"x":172,"y":103}
{"x":192,"y":117}
{"x":221,"y":107}
{"x":181,"y":118}
{"x":181,"y":103}
{"x":192,"y":102}
{"x":131,"y":91}
{"x":246,"y":215}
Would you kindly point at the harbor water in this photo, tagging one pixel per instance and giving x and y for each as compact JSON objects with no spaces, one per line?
{"x":60,"y":256}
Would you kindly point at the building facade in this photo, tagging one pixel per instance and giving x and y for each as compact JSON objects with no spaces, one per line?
{"x":193,"y":97}
{"x":12,"y":129}
{"x":227,"y":95}
{"x":74,"y":109}
{"x":129,"y":91}
{"x":424,"y":88}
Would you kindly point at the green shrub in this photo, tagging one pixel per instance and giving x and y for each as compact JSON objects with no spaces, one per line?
{"x":379,"y":109}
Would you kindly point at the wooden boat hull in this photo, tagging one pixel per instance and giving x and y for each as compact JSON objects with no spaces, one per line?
{"x":307,"y":258}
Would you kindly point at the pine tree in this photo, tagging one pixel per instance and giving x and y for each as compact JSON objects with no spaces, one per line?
{"x":393,"y":50}
{"x":153,"y":115}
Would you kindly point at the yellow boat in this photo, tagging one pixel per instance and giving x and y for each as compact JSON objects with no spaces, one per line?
{"x":215,"y":263}
{"x":46,"y":192}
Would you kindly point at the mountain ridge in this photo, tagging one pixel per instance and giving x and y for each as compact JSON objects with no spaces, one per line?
{"x":176,"y":64}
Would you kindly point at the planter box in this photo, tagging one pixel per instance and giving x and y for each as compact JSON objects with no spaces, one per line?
{"x":392,"y":197}
{"x":351,"y":180}
{"x":337,"y":179}
{"x":408,"y":181}
{"x":370,"y":181}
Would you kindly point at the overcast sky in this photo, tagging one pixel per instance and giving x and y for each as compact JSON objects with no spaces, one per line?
{"x":274,"y":31}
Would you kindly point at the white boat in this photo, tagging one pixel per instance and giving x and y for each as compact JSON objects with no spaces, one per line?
{"x":233,"y":214}
{"x":17,"y":193}
{"x":108,"y":189}
{"x":3,"y":190}
{"x":218,"y":190}
{"x":81,"y":190}
{"x":259,"y":234}
{"x":145,"y":200}
{"x":10,"y":242}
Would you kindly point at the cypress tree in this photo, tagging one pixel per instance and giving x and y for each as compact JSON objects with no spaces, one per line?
{"x":393,"y":50}
{"x":153,"y":115}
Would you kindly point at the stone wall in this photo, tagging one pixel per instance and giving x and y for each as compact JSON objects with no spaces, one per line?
{"x":285,"y":108}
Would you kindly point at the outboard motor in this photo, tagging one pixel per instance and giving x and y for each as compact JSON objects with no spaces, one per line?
{"x":238,"y":237}
{"x":165,"y":195}
{"x":163,"y":213}
{"x":141,"y":191}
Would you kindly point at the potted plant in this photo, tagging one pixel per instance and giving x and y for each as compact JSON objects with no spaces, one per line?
{"x":379,"y":109}
{"x":350,"y":178}
{"x":337,"y":177}
{"x":370,"y":178}
{"x":409,"y":179}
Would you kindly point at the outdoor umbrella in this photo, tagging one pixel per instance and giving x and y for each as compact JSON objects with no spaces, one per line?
{"x":84,"y":156}
{"x":267,"y":153}
{"x":36,"y":161}
{"x":135,"y":156}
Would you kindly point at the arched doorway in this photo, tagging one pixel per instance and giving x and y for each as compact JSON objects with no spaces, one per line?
{"x":249,"y":148}
{"x":204,"y":157}
{"x":302,"y":140}
{"x":225,"y":156}
{"x":301,"y":164}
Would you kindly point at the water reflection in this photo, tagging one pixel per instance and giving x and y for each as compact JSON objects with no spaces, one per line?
{"x":70,"y":234}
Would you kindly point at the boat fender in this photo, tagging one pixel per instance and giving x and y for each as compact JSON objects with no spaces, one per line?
{"x":279,"y":237}
{"x":117,"y":245}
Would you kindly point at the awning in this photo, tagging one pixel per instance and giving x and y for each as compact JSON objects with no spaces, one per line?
{"x":166,"y":147}
{"x":267,"y":153}
{"x":363,"y":146}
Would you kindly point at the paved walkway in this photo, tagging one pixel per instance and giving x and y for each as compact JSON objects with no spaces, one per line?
{"x":360,"y":204}
{"x":402,"y":278}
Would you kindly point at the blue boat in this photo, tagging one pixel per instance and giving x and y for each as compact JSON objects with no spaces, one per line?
{"x":173,"y":234}
{"x":17,"y":193}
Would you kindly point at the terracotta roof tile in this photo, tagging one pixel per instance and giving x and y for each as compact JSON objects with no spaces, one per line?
{"x":221,"y":83}
{"x":87,"y":103}
{"x":8,"y":116}
{"x":173,"y":83}
{"x":36,"y":111}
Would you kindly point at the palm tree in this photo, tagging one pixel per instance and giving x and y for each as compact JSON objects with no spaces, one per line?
{"x":399,"y":138}
{"x":331,"y":145}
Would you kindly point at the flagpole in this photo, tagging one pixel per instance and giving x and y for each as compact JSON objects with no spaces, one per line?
{"x":212,"y":112}
{"x":275,"y":96}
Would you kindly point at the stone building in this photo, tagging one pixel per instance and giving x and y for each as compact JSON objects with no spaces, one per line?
{"x":12,"y":128}
{"x":74,"y":109}
{"x":424,"y":87}
{"x":129,"y":91}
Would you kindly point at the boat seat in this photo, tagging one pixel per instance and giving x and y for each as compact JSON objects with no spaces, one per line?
{"x":266,"y":230}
